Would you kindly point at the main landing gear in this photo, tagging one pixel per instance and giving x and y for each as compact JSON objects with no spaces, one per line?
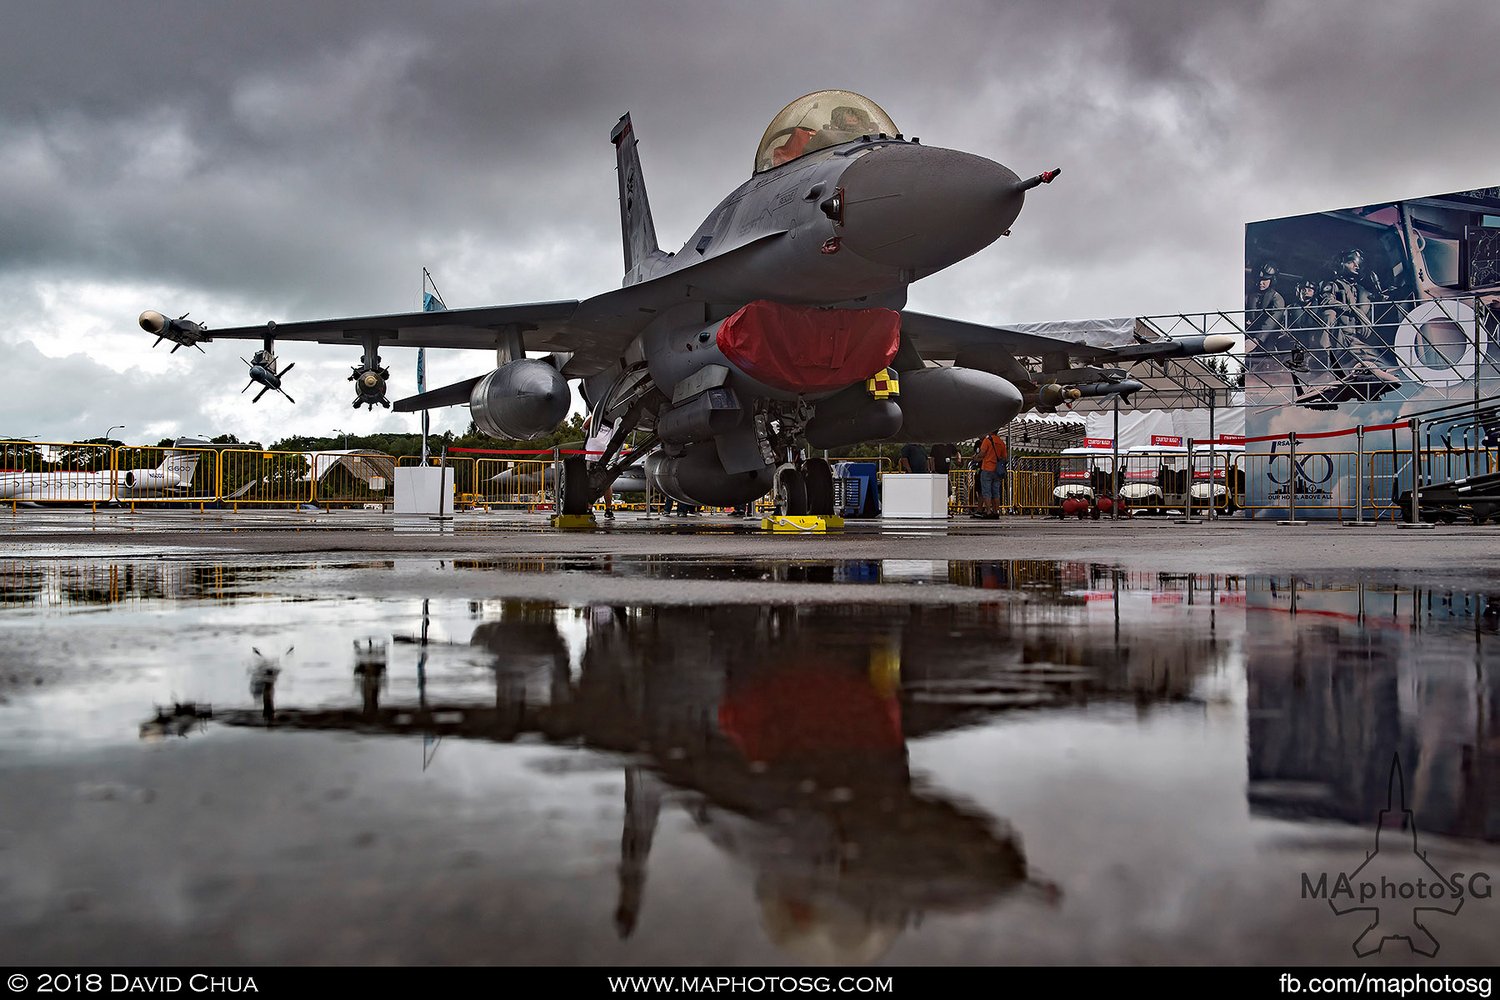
{"x":574,"y":489}
{"x":805,"y":489}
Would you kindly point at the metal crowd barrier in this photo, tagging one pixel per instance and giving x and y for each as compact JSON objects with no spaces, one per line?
{"x":56,"y":472}
{"x":361,"y":479}
{"x":503,"y":482}
{"x":1360,"y":484}
{"x":264,"y":478}
{"x":40,"y":472}
{"x":166,"y":474}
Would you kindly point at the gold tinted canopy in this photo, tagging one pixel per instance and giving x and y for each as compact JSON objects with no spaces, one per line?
{"x":816,"y":121}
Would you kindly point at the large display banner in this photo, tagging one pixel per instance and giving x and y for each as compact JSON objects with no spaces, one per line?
{"x":1362,"y":316}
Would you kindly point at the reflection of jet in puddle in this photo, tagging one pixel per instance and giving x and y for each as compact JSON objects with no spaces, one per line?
{"x":782,"y":731}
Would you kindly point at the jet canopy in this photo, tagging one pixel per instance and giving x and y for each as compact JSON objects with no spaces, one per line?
{"x":817,"y":121}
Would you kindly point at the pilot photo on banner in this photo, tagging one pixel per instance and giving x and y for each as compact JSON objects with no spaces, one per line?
{"x":1359,"y":317}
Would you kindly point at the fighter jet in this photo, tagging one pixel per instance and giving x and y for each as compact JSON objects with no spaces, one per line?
{"x":781,"y":320}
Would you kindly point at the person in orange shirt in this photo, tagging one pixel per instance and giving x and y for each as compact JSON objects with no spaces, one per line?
{"x":994,"y":458}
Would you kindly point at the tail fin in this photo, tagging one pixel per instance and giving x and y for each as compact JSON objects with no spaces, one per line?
{"x":181,"y":463}
{"x":175,"y":473}
{"x":638,"y":230}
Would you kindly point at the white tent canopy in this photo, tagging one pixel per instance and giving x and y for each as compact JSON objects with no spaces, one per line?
{"x":1138,"y":426}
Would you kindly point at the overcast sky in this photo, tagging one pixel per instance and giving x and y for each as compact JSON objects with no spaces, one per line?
{"x":279,"y":160}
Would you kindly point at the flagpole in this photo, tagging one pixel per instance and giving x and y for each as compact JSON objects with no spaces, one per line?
{"x":430,"y":303}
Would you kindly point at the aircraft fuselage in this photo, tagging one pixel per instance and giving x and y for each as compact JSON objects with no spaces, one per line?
{"x":856,"y":221}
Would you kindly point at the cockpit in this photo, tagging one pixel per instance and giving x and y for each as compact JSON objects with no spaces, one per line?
{"x":817,"y":121}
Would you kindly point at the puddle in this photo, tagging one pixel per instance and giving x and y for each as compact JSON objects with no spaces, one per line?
{"x":241,"y":762}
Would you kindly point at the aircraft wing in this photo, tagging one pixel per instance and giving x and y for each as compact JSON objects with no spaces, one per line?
{"x":937,"y":338}
{"x":595,"y":331}
{"x":542,"y":322}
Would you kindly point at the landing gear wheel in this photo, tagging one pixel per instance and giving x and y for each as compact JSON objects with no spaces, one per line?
{"x":818,"y":475}
{"x":574,"y":488}
{"x":792,"y":491}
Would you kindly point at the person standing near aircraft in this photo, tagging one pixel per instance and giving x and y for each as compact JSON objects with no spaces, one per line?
{"x":942,"y":455}
{"x":913,"y":459}
{"x":594,"y":448}
{"x":994,"y":459}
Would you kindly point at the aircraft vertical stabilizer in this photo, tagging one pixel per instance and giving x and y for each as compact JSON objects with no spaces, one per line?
{"x":636,"y":227}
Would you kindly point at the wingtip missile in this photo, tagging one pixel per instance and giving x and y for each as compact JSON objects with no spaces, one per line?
{"x":181,"y":331}
{"x":1176,"y":347}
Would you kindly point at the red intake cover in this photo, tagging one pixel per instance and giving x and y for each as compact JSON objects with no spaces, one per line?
{"x":802,"y":349}
{"x":812,"y":710}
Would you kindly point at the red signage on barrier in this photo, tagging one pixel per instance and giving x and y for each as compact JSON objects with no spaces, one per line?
{"x":1205,"y":474}
{"x":1167,"y":440}
{"x":1107,"y":444}
{"x":1150,"y":474}
{"x":1231,"y":439}
{"x":1072,"y":476}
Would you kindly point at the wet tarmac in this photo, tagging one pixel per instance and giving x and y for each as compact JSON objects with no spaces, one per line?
{"x":880,"y":753}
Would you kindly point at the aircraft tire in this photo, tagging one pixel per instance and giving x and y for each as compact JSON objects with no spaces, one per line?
{"x":793,"y":490}
{"x":818,"y":476}
{"x":575,"y":485}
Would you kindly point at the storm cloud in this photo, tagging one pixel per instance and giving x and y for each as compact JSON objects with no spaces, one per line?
{"x":293,"y":161}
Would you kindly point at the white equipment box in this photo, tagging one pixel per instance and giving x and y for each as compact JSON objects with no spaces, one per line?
{"x":917,"y":496}
{"x":419,"y":489}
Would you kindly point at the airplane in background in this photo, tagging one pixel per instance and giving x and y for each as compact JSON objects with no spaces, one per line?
{"x":781,"y":320}
{"x":538,"y":477}
{"x":173,"y":476}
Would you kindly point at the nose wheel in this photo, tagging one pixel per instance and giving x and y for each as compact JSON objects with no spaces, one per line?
{"x":791,"y":491}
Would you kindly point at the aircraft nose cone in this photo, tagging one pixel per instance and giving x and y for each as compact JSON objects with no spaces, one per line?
{"x":923,"y":208}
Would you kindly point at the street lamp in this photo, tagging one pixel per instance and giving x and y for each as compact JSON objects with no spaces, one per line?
{"x":112,"y":429}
